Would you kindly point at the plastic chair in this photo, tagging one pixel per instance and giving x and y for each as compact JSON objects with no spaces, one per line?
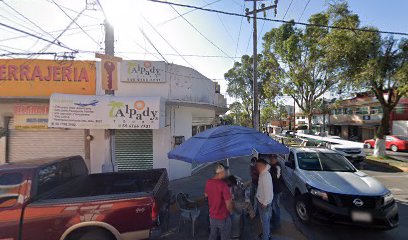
{"x":188,"y":210}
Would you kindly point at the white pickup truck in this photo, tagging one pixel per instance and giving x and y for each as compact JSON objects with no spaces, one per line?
{"x":327,"y":186}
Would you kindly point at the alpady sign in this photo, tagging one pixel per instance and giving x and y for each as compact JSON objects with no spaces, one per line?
{"x":27,"y":77}
{"x":105,"y":112}
{"x":143,"y":71}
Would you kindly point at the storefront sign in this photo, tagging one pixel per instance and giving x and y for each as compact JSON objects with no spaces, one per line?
{"x":109,"y":71}
{"x":30,"y":116}
{"x":105,"y":112}
{"x":41,"y":78}
{"x":143,"y":71}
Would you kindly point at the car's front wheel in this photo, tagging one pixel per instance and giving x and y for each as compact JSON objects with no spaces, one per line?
{"x":394,"y":148}
{"x":303,"y":208}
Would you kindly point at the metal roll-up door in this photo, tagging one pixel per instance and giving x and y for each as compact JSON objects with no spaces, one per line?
{"x":40,"y":143}
{"x":133,"y":149}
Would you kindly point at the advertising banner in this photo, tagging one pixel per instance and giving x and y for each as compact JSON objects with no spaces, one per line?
{"x":41,"y":78}
{"x":106,"y":112}
{"x":143,"y":71}
{"x":30,"y":116}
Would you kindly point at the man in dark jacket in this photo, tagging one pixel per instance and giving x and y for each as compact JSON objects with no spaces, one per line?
{"x":276,"y":173}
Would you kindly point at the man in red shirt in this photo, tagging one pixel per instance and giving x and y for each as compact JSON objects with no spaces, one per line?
{"x":219,"y":204}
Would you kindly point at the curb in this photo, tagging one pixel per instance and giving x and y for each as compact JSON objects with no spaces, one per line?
{"x":387,"y":165}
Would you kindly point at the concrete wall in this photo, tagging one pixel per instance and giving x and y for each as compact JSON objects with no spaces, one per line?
{"x":2,"y":150}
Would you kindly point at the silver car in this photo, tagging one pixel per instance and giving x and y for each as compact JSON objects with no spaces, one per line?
{"x":327,"y":186}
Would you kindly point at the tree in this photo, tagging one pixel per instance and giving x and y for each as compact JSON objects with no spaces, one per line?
{"x":306,"y":72}
{"x":371,"y":62}
{"x":239,"y":79}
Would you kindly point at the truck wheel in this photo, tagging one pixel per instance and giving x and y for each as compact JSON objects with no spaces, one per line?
{"x":97,"y":235}
{"x":303,"y":209}
{"x":394,"y":148}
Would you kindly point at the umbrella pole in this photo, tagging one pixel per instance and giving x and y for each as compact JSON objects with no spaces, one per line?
{"x":228,"y":171}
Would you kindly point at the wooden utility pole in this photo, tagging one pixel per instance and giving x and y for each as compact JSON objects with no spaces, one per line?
{"x":255,"y":108}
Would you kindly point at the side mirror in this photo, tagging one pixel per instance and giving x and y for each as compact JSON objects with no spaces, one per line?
{"x":290,"y":165}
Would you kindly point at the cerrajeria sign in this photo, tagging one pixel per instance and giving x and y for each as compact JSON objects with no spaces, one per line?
{"x":105,"y":112}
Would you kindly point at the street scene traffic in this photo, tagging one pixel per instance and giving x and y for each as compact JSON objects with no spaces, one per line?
{"x":206,"y":119}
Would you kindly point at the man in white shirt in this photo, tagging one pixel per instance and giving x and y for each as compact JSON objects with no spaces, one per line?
{"x":264,"y":196}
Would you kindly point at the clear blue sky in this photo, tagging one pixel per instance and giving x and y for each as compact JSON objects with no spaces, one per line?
{"x":130,"y":15}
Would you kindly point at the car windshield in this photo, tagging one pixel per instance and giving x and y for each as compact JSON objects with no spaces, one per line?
{"x":402,"y":137}
{"x":318,"y":161}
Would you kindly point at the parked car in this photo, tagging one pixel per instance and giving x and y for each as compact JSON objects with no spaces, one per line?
{"x":56,"y":199}
{"x":394,"y":142}
{"x":326,"y":186}
{"x":287,"y":133}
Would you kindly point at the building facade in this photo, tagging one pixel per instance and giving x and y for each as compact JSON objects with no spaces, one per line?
{"x":189,"y":103}
{"x":358,"y":118}
{"x":320,"y":122}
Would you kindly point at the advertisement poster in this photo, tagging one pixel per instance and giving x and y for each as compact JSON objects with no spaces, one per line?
{"x":143,"y":71}
{"x":31,"y":116}
{"x":106,"y":112}
{"x":41,"y":78}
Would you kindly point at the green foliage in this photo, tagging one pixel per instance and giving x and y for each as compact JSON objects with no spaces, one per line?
{"x":272,"y":111}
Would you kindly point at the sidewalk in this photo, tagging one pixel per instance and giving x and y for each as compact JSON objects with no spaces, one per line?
{"x":194,"y":186}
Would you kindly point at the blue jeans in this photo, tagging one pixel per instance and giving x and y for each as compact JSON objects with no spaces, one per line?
{"x":276,"y":210}
{"x":220,"y":226}
{"x":265,"y":216}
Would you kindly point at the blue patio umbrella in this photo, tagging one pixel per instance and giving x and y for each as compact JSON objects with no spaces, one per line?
{"x":225,"y":142}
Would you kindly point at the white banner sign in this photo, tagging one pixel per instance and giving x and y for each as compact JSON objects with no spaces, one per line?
{"x":142,"y":71}
{"x":105,"y":112}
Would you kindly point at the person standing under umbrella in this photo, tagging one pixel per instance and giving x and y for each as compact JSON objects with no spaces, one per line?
{"x":276,"y":173}
{"x":264,"y":196}
{"x":219,"y":204}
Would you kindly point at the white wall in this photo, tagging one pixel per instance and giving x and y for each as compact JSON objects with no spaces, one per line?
{"x":2,"y":150}
{"x":98,"y":150}
{"x":181,"y":126}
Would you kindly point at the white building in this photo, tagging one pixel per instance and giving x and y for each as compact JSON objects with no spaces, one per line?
{"x":191,"y":103}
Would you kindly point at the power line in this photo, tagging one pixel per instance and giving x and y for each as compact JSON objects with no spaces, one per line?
{"x":38,"y":37}
{"x":212,"y":43}
{"x":280,"y":21}
{"x":36,"y":53}
{"x":62,"y":33}
{"x":304,"y":9}
{"x":74,"y":20}
{"x":239,"y":33}
{"x":287,"y":10}
{"x":174,"y":18}
{"x":167,"y":42}
{"x":151,"y":43}
{"x":24,"y":36}
{"x":33,"y":23}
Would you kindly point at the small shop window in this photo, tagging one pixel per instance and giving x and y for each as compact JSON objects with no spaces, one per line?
{"x":362,"y":110}
{"x":9,"y":189}
{"x":376,"y":110}
{"x":194,"y":130}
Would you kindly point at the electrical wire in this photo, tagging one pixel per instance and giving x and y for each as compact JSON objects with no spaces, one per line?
{"x":168,"y":42}
{"x":38,"y":37}
{"x":151,"y":43}
{"x":26,"y":18}
{"x":239,"y":33}
{"x":76,"y":23}
{"x":212,"y":43}
{"x":174,"y":18}
{"x":280,"y":21}
{"x":287,"y":10}
{"x":304,"y":9}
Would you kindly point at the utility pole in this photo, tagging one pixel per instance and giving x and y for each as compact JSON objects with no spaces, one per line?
{"x":255,"y":109}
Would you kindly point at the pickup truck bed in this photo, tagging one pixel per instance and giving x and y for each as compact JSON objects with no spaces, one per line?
{"x":141,"y":182}
{"x":56,"y":199}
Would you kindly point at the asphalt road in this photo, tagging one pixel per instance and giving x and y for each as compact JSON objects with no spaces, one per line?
{"x":402,"y":156}
{"x":396,"y":182}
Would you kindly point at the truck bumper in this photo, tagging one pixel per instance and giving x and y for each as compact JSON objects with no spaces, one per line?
{"x":384,"y":217}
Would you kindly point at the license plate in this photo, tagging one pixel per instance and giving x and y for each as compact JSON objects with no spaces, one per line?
{"x":361,"y":217}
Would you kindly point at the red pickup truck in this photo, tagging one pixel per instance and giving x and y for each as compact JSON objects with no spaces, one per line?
{"x":56,"y":199}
